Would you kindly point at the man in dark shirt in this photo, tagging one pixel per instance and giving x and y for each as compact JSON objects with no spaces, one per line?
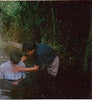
{"x":44,"y":56}
{"x":46,"y":64}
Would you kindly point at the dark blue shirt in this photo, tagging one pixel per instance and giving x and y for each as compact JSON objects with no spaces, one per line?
{"x":44,"y":54}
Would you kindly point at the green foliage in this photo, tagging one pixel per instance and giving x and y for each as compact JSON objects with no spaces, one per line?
{"x":2,"y":43}
{"x":10,"y":8}
{"x":30,"y":21}
{"x":88,"y":49}
{"x":35,"y":21}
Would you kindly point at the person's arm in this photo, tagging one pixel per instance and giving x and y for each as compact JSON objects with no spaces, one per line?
{"x":35,"y":68}
{"x":19,"y":69}
{"x":24,"y":58}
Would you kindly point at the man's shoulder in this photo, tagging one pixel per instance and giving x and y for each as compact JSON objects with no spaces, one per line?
{"x":4,"y":64}
{"x":44,"y":46}
{"x":41,"y":44}
{"x":22,"y":64}
{"x":43,"y":49}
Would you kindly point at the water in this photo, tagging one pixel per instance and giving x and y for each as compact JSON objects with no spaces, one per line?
{"x":5,"y":90}
{"x":2,"y":95}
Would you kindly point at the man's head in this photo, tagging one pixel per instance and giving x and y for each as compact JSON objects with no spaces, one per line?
{"x":15,"y":57}
{"x":29,"y":48}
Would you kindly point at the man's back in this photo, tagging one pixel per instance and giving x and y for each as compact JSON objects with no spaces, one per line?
{"x":44,"y":53}
{"x":7,"y":73}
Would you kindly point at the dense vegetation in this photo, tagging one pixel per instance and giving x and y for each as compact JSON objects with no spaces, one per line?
{"x":63,"y":25}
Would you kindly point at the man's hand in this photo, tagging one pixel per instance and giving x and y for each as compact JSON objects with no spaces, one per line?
{"x":36,"y":67}
{"x":24,"y":58}
{"x":16,"y":82}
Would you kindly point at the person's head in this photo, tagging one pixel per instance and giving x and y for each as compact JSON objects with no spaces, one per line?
{"x":15,"y":57}
{"x":29,"y":48}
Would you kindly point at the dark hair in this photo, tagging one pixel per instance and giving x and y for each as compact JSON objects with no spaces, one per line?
{"x":15,"y":57}
{"x":28,"y":46}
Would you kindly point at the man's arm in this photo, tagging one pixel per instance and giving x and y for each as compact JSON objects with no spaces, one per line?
{"x":19,"y":69}
{"x":24,"y":58}
{"x":35,"y":68}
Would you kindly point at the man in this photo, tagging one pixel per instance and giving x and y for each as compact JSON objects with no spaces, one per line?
{"x":45,"y":58}
{"x":6,"y":69}
{"x":46,"y":64}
